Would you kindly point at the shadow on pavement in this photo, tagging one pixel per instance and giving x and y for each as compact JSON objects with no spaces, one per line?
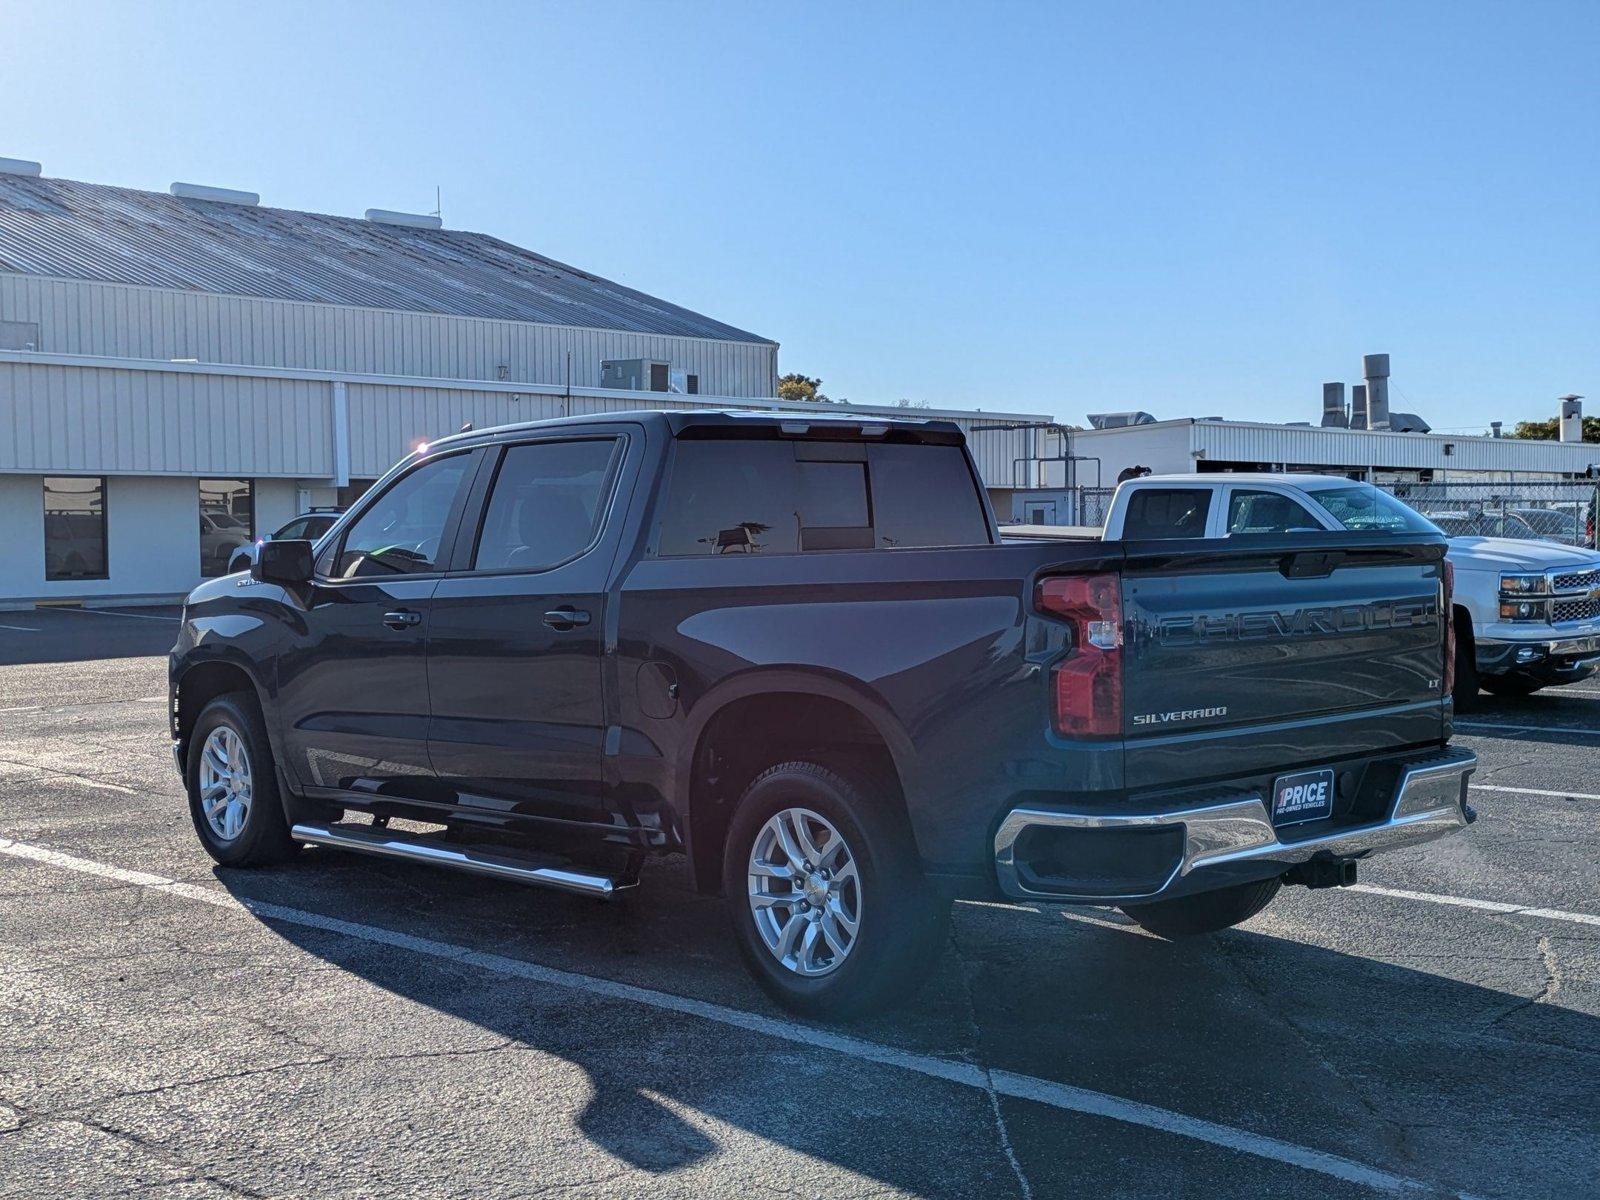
{"x":1427,"y":1076}
{"x":49,"y":635}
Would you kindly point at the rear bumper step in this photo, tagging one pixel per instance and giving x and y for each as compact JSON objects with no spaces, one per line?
{"x":365,"y":839}
{"x":1191,"y":850}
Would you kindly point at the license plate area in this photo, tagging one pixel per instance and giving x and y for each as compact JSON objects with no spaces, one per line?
{"x":1304,"y":796}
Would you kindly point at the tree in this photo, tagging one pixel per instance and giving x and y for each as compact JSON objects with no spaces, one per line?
{"x":795,"y":386}
{"x":1549,"y":430}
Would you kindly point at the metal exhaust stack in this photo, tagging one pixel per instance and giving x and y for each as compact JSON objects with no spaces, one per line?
{"x":1376,"y":369}
{"x":1571,"y":418}
{"x":1333,"y":412}
{"x":1358,"y":406}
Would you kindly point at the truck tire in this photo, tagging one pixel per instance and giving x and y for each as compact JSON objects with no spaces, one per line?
{"x":233,"y":785}
{"x":1509,"y":685}
{"x":1206,"y":912}
{"x":859,"y":929}
{"x":1465,"y":694}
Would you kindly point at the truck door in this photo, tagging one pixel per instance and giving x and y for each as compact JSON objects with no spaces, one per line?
{"x":352,"y":683}
{"x":516,"y":647}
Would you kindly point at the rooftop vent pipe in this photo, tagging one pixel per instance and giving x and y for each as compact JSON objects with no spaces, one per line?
{"x":1358,"y":406}
{"x":1333,"y":412}
{"x":18,"y":166}
{"x":384,"y":216}
{"x":1376,"y":369}
{"x":1572,"y":418}
{"x":199,"y":191}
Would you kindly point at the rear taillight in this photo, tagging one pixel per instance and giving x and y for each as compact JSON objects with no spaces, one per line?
{"x":1087,"y":683}
{"x":1447,"y":578}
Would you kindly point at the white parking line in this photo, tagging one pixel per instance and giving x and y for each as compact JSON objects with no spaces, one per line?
{"x":1494,"y":906}
{"x":1022,"y":1087}
{"x":1516,"y":791}
{"x":20,"y":628}
{"x":1495,"y":726}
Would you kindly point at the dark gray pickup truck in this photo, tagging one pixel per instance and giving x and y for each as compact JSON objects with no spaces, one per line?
{"x":798,"y":651}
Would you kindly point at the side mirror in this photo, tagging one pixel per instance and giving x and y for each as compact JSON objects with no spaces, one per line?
{"x":286,"y":562}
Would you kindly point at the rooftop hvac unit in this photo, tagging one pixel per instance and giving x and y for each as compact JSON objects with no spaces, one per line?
{"x":637,"y":374}
{"x":686,"y":383}
{"x":1120,"y":420}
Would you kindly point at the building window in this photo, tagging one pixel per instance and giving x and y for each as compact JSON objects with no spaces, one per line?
{"x":74,"y":528}
{"x":227,"y":523}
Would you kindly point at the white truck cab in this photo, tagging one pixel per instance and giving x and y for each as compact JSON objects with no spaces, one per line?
{"x":1527,"y":613}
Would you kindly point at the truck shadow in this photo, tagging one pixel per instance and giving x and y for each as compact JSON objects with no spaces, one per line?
{"x":1385,"y":1063}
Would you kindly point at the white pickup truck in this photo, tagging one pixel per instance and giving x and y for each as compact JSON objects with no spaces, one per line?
{"x":1527,"y":613}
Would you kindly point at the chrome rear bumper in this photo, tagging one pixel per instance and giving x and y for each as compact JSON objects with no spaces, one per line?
{"x":1235,"y":837}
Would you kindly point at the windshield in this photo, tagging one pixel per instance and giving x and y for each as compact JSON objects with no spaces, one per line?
{"x":1362,"y":508}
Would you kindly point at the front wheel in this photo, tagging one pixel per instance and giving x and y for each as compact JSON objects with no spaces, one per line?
{"x":1465,"y":694}
{"x":1206,"y":912}
{"x":829,"y":907}
{"x":233,"y":786}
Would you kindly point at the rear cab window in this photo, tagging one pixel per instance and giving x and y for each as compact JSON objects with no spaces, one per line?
{"x":1159,"y":513}
{"x":751,"y":496}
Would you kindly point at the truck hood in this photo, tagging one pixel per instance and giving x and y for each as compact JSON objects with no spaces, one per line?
{"x":1493,"y":554}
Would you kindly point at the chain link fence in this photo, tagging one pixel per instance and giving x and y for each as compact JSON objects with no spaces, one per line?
{"x":1558,"y":511}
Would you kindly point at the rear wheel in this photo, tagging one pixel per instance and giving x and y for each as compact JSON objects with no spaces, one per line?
{"x":1510,"y":685}
{"x":233,"y":786}
{"x":829,"y":907}
{"x":1206,"y":912}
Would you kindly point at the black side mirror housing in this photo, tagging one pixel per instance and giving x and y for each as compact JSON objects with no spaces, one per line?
{"x":287,"y":562}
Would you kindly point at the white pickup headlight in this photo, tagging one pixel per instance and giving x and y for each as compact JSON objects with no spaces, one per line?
{"x":1522,"y":585}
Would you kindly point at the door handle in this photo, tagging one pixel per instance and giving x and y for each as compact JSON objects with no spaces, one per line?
{"x":401,"y":618}
{"x":566,"y":618}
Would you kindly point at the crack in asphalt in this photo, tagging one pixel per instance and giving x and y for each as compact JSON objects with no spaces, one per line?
{"x":1403,"y":1142}
{"x":973,"y":1055}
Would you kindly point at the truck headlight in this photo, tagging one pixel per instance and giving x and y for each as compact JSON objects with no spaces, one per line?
{"x":1518,"y":585}
{"x":1523,"y":610}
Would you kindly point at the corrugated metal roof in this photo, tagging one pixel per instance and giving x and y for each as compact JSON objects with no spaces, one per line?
{"x":58,"y":227}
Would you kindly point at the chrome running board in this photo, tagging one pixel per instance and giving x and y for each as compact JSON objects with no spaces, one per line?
{"x":366,"y":839}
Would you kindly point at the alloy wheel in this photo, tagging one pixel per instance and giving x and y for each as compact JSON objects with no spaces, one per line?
{"x":804,"y":892}
{"x":225,"y":782}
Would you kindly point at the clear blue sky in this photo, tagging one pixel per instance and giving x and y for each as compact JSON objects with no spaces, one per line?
{"x":1188,"y":208}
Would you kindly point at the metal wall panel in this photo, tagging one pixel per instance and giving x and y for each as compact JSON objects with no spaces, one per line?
{"x":118,"y":421}
{"x":1291,"y":445}
{"x":123,"y":321}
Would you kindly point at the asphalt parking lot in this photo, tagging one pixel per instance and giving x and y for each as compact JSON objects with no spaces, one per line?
{"x":354,"y":1027}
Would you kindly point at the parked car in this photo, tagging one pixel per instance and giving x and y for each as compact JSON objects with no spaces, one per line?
{"x":221,"y":535}
{"x":308,"y":526}
{"x":1562,"y":524}
{"x":1526,"y":613}
{"x":1485,"y":524}
{"x":796,"y":650}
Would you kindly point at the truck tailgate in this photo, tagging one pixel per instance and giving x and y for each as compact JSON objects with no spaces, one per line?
{"x":1262,"y":655}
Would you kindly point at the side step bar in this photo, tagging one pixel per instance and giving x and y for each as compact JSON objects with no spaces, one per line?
{"x":364,"y":839}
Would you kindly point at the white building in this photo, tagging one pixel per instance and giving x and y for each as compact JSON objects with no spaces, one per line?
{"x":1050,"y":488}
{"x":180,"y":372}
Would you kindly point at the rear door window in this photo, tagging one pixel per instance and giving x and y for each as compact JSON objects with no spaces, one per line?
{"x":1158,"y":513}
{"x":546,"y":504}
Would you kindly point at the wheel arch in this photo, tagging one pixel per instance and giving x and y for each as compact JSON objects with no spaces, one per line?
{"x":762,"y":718}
